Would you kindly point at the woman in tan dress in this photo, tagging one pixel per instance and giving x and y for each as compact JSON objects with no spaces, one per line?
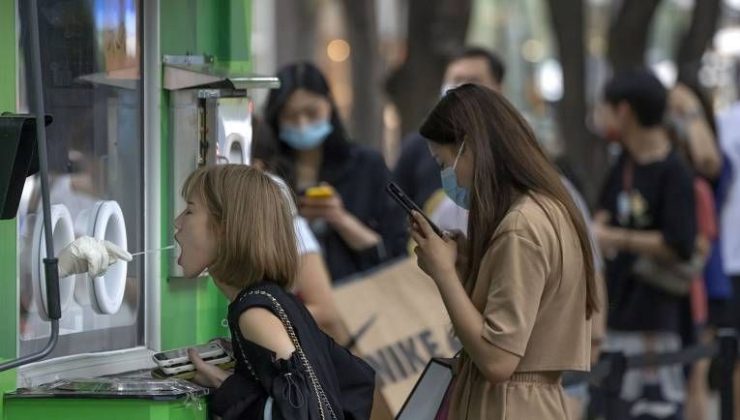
{"x":521,"y":291}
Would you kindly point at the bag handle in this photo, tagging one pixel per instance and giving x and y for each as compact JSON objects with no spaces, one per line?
{"x":318,"y":389}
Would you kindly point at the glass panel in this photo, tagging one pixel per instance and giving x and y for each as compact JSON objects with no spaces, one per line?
{"x":90,"y":54}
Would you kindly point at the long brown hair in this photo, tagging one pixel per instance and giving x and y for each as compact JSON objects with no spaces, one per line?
{"x":253,"y":224}
{"x":508,"y":163}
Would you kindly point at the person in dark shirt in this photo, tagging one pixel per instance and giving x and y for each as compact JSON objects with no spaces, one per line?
{"x":646,"y":210}
{"x":356,"y":222}
{"x":416,"y":172}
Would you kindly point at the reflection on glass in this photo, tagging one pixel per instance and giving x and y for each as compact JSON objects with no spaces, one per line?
{"x":90,"y":69}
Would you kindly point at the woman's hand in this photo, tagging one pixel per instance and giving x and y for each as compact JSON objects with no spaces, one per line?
{"x":206,"y":374}
{"x":435,"y":256}
{"x":330,"y":209}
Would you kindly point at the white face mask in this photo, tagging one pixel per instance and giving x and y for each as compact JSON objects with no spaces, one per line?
{"x":446,"y":87}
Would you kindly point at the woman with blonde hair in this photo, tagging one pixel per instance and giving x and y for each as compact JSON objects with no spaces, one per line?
{"x":238,"y":226}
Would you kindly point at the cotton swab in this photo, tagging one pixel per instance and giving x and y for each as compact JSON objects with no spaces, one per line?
{"x":135,"y":254}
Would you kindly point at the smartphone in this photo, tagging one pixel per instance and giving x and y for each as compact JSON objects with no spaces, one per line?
{"x":180,"y":356}
{"x":321,"y":191}
{"x":158,"y":373}
{"x":408,"y":204}
{"x":186,"y":367}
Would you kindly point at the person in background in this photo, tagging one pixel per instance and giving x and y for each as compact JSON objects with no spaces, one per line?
{"x":356,"y":222}
{"x":690,"y":126}
{"x":522,"y":303}
{"x":416,"y":171}
{"x":646,"y":211}
{"x":313,"y":284}
{"x":728,"y":200}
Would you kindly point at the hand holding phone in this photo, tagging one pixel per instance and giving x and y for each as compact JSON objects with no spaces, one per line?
{"x":320,"y":191}
{"x":408,"y":204}
{"x":180,"y":356}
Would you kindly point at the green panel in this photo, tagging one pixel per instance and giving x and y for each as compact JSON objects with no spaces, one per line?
{"x":216,"y":27}
{"x":8,"y":252}
{"x":178,"y":21}
{"x":7,"y":383}
{"x":84,"y":409}
{"x":192,"y":312}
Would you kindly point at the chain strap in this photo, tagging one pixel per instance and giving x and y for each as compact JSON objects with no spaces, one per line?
{"x":244,"y":355}
{"x":317,"y":388}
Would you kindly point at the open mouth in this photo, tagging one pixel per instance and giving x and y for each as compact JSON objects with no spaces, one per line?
{"x":178,"y":249}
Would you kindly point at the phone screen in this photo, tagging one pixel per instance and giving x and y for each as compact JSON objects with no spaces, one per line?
{"x":408,"y":204}
{"x":172,"y":354}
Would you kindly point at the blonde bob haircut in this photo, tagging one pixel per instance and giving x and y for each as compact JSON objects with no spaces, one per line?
{"x":251,"y":219}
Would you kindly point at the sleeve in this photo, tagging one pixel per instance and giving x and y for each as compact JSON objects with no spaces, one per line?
{"x":677,"y":215}
{"x":238,"y":398}
{"x":307,"y":243}
{"x":518,"y":269}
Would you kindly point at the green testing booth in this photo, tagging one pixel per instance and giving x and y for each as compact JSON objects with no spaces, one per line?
{"x":140,"y":93}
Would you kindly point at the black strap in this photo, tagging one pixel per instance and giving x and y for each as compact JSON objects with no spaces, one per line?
{"x":602,"y":369}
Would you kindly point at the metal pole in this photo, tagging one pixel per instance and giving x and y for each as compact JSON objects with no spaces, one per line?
{"x":612,"y":385}
{"x":50,"y":263}
{"x":727,"y":358}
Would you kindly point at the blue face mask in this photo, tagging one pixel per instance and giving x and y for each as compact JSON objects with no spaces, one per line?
{"x":458,"y":194}
{"x":307,"y":137}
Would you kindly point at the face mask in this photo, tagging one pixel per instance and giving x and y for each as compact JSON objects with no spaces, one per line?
{"x":458,"y":194}
{"x":307,"y":137}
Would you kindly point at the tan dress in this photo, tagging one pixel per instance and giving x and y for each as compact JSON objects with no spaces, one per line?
{"x":533,"y":299}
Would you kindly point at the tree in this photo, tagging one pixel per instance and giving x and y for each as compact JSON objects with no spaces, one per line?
{"x":436,"y":29}
{"x":628,"y":34}
{"x":584,"y":154}
{"x":366,"y":123}
{"x":298,"y":43}
{"x":696,"y":40}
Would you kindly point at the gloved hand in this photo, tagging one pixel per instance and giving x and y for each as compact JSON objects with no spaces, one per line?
{"x":89,"y":255}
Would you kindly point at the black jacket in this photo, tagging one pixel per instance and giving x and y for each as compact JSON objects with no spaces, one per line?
{"x":360,"y":179}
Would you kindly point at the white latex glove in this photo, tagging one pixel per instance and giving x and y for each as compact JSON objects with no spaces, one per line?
{"x":89,"y":255}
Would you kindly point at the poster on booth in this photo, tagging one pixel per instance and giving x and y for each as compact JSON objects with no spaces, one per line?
{"x":400,"y":323}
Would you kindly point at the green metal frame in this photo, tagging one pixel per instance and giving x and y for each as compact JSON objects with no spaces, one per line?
{"x":8,"y":250}
{"x":84,"y":409}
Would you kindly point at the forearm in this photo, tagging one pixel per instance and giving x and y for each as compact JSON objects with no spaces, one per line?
{"x":467,"y":321}
{"x":650,"y":243}
{"x":703,"y":149}
{"x":355,"y":233}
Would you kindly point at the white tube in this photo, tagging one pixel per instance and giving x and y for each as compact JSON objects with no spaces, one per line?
{"x":63,"y":234}
{"x":235,"y":149}
{"x":105,"y":222}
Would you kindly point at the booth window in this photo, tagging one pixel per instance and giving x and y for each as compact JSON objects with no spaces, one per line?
{"x":91,"y":66}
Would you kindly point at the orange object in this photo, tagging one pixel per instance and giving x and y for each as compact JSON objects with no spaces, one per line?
{"x":322,"y":191}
